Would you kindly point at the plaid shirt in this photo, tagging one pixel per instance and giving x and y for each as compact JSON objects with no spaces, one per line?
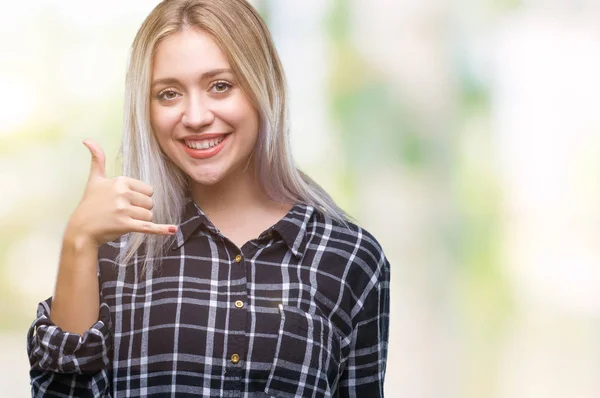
{"x":303,"y":310}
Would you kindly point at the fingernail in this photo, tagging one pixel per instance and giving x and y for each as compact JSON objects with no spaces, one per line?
{"x":172,"y":230}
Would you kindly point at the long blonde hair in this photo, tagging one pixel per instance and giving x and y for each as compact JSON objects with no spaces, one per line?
{"x":240,"y":32}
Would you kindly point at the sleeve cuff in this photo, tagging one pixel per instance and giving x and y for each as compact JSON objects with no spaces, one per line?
{"x":51,"y":349}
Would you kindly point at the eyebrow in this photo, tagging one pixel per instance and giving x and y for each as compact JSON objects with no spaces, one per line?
{"x":206,"y":75}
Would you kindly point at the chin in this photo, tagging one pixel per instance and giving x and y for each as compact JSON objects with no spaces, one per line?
{"x":206,"y":178}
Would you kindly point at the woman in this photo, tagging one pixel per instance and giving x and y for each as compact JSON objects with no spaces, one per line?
{"x":213,"y":267}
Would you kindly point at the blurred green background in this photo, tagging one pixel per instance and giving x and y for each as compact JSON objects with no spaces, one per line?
{"x":464,"y":135}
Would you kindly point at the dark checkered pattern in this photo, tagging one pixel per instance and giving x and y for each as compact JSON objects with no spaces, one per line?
{"x":311,"y":319}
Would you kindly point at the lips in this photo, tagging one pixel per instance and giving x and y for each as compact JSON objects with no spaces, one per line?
{"x":204,"y":146}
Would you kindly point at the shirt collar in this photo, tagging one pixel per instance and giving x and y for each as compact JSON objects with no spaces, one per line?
{"x":292,"y":227}
{"x":193,"y":218}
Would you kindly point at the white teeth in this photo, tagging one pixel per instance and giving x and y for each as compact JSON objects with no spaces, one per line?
{"x":204,"y":144}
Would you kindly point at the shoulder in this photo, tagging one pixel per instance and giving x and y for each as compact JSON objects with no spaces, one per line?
{"x":353,"y":242}
{"x":360,"y":263}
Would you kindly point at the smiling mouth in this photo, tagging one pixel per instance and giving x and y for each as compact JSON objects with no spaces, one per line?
{"x":204,"y":144}
{"x":205,"y":148}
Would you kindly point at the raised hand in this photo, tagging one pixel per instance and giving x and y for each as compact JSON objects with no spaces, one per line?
{"x":111,"y":207}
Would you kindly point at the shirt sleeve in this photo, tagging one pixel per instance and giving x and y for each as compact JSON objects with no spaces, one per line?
{"x":365,"y":369}
{"x":66,"y":364}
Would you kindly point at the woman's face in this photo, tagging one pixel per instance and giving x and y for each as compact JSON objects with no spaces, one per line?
{"x":201,"y":118}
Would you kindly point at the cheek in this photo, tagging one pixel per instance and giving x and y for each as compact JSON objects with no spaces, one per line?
{"x":163,"y":120}
{"x":239,"y":113}
{"x":252,"y":119}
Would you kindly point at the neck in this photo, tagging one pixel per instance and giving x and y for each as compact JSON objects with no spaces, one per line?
{"x":237,"y":193}
{"x":238,"y":208}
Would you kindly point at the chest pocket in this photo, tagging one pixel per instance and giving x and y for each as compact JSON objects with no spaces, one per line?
{"x":307,"y":356}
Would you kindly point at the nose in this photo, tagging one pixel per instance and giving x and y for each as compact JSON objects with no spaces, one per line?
{"x":197,"y":113}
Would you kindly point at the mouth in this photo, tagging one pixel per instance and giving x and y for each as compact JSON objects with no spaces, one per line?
{"x":207,"y":146}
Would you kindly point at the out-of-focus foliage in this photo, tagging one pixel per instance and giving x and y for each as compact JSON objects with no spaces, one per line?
{"x":465,"y":136}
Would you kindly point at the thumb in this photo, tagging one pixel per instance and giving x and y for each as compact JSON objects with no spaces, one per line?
{"x":98,"y":167}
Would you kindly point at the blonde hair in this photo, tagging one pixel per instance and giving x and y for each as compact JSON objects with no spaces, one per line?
{"x":240,"y":32}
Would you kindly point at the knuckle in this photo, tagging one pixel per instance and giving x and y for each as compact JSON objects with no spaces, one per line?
{"x":148,"y":227}
{"x":121,"y":190}
{"x":121,"y":185}
{"x":121,"y":207}
{"x":121,"y":224}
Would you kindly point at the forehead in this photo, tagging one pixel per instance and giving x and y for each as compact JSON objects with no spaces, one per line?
{"x":185,"y":52}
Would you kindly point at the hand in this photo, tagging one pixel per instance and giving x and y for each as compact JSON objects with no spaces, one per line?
{"x":112,"y":207}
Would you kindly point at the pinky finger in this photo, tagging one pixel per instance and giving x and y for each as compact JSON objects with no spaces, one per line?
{"x":146,"y":227}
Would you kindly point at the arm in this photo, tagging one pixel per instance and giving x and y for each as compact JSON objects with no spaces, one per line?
{"x":364,"y":372}
{"x":69,"y":344}
{"x":75,"y":305}
{"x":67,"y":364}
{"x":109,"y":208}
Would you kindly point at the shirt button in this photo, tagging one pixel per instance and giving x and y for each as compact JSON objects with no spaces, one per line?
{"x":235,"y":358}
{"x":239,"y":304}
{"x":238,"y":258}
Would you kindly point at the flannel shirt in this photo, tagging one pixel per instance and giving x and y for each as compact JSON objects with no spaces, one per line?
{"x":300,"y":311}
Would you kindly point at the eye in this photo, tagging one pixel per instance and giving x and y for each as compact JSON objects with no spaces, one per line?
{"x":220,"y":86}
{"x":167,"y":94}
